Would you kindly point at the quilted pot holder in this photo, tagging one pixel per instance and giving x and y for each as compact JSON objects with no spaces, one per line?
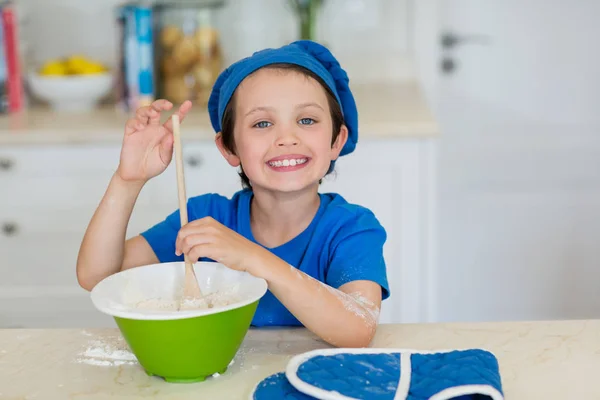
{"x":386,"y":374}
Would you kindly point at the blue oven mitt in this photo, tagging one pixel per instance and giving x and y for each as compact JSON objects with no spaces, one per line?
{"x":387,"y":374}
{"x":275,"y":387}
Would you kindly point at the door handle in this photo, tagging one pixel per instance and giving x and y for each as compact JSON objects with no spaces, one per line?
{"x":9,"y":229}
{"x":450,"y":40}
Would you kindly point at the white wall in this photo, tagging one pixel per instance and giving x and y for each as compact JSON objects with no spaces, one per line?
{"x":368,"y":36}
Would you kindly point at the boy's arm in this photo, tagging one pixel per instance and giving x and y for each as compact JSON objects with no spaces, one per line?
{"x":146,"y":152}
{"x":104,"y":250}
{"x":344,"y":317}
{"x":347,"y":316}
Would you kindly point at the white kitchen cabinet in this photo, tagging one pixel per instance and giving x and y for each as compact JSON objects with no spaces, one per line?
{"x":49,"y":193}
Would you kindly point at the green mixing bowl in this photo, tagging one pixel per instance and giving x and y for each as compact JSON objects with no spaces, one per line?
{"x":180,"y":346}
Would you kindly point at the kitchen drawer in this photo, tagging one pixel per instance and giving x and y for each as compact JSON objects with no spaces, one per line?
{"x":56,"y":192}
{"x":65,"y":176}
{"x":20,"y":222}
{"x":39,"y":259}
{"x":40,"y":245}
{"x":59,"y":160}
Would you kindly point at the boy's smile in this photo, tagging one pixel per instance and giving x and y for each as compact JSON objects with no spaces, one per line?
{"x":289,"y":162}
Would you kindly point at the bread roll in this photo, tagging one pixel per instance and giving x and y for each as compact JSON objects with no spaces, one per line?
{"x":170,"y":35}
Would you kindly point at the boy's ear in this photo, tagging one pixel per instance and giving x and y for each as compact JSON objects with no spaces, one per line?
{"x":339,"y":143}
{"x":231,"y":158}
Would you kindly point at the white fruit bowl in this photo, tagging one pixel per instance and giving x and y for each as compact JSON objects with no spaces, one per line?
{"x":71,"y":92}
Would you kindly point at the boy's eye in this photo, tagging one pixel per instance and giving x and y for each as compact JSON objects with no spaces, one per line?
{"x":262,"y":124}
{"x":307,"y":121}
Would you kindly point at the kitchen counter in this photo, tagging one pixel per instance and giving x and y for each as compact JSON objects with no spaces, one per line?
{"x":393,"y":110}
{"x":538,"y":360}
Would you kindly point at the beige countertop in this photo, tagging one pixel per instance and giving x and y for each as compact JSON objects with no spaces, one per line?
{"x":538,"y":360}
{"x":394,"y":110}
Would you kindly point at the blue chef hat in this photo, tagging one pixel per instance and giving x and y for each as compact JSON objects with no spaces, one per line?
{"x":304,"y":53}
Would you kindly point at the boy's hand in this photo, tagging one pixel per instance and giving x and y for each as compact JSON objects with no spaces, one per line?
{"x":148,"y":145}
{"x":209,"y":238}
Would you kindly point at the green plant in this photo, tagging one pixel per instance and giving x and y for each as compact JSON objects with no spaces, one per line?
{"x":306,"y":11}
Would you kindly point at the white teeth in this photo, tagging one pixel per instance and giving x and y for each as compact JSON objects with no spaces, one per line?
{"x":288,"y":162}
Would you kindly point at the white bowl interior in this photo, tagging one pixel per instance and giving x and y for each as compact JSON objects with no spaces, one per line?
{"x":154,"y":291}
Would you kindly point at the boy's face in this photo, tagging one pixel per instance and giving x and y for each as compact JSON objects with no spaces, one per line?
{"x":283,"y":131}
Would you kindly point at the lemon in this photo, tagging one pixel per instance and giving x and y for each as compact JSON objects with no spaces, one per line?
{"x":76,"y":64}
{"x":94,"y":68}
{"x":73,"y":65}
{"x":51,"y":68}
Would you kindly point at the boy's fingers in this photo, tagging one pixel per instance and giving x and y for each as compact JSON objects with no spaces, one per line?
{"x":184,"y":231}
{"x":202,"y":250}
{"x":182,"y":112}
{"x":165,"y":149}
{"x":153,"y":117}
{"x":184,"y":246}
{"x":132,"y":125}
{"x":161,"y":105}
{"x":142,"y":114}
{"x":155,"y":109}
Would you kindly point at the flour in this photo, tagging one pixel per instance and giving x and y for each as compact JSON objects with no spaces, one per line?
{"x":158,"y":304}
{"x":111,"y":352}
{"x":359,"y":306}
{"x":367,"y":305}
{"x":219,"y":298}
{"x":354,"y":302}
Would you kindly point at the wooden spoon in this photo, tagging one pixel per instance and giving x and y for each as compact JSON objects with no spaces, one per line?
{"x":191,"y":289}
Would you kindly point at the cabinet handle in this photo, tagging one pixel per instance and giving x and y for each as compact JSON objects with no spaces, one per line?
{"x":6,"y":164}
{"x":9,"y":229}
{"x":194,"y":161}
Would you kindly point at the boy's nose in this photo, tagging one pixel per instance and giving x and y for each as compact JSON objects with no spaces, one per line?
{"x":287,"y":140}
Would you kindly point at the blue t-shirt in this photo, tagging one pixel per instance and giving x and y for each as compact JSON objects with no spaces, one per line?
{"x":343,"y":243}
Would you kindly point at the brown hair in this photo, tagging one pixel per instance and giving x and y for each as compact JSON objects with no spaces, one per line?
{"x":228,"y":122}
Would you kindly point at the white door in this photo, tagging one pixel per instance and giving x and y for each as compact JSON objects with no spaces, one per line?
{"x":519,"y":167}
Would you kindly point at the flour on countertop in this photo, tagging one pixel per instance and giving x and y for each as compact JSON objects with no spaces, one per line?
{"x":109,"y":352}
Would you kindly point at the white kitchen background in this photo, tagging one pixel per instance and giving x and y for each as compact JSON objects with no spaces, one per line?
{"x":359,"y":31}
{"x":392,"y":176}
{"x":518,"y":159}
{"x":519,"y":156}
